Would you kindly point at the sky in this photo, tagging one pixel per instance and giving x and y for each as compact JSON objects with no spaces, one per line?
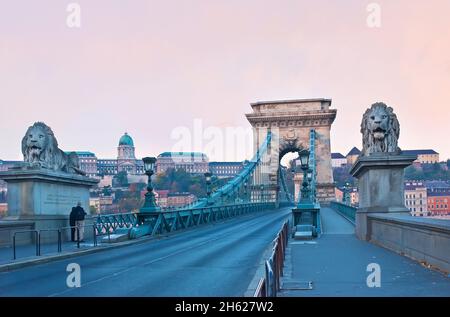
{"x":152,"y":68}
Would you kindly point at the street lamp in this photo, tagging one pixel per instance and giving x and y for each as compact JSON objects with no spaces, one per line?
{"x":307,"y":175}
{"x":304,"y":159}
{"x":150,"y":201}
{"x":306,"y":212}
{"x":208,"y":176}
{"x":346,"y":198}
{"x":245,"y":189}
{"x":262,"y":190}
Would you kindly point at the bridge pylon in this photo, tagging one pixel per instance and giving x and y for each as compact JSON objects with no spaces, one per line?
{"x":290,"y":122}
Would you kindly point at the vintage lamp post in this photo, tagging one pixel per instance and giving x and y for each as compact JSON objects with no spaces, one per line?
{"x":312,"y":197}
{"x":346,"y":197}
{"x":262,"y":192}
{"x":307,"y":175}
{"x":245,"y":190}
{"x":150,"y":201}
{"x":208,"y":176}
{"x":305,"y":216}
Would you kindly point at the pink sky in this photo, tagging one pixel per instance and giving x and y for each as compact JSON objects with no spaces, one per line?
{"x":148,"y":67}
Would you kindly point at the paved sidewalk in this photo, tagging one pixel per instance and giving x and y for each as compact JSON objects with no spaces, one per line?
{"x":29,"y":251}
{"x":336,"y":263}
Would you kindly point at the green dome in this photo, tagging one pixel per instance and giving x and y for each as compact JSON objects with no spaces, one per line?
{"x":126,"y":140}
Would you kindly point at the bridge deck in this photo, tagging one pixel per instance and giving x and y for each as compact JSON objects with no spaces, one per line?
{"x":336,"y":264}
{"x":212,"y":260}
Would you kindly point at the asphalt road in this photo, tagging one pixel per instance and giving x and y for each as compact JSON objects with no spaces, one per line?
{"x":212,"y":260}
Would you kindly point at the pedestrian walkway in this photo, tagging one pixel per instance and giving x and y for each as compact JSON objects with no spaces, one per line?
{"x":334,"y":223}
{"x":336,"y":264}
{"x":29,"y":251}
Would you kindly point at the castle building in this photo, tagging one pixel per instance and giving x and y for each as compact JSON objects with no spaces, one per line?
{"x":225,"y":169}
{"x":125,"y":162}
{"x":126,"y":159}
{"x":191,"y":162}
{"x":88,"y":163}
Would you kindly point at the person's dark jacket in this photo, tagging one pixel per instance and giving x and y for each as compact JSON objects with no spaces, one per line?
{"x":73,"y":216}
{"x":79,"y":213}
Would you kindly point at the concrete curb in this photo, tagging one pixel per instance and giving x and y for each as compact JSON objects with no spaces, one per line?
{"x":260,"y":272}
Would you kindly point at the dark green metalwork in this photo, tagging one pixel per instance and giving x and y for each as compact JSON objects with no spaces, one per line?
{"x":169,"y":221}
{"x":346,"y":210}
{"x":110,"y":223}
{"x":308,"y":210}
{"x":150,"y":205}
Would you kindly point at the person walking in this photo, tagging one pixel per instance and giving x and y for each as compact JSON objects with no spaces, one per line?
{"x":72,"y":222}
{"x":80,"y":215}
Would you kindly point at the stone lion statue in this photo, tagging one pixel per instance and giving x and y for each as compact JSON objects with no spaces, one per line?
{"x":40,"y":148}
{"x":380,"y":129}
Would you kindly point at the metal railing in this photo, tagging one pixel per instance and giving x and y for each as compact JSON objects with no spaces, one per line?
{"x":36,"y":241}
{"x":38,"y":237}
{"x":347,"y":211}
{"x":161,"y":222}
{"x":269,"y":285}
{"x":166,"y":221}
{"x":58,"y":232}
{"x":106,"y":224}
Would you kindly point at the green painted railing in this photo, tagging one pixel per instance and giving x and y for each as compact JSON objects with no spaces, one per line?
{"x":167,"y":221}
{"x":347,"y":211}
{"x":105,"y":224}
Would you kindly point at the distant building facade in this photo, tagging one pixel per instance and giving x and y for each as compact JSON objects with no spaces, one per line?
{"x":180,"y":199}
{"x":101,"y":203}
{"x":339,"y":194}
{"x":424,"y":156}
{"x":88,"y":163}
{"x":354,"y":196}
{"x":225,"y":169}
{"x":338,"y":160}
{"x":160,"y":196}
{"x":191,"y":162}
{"x":439,"y":201}
{"x":107,"y":166}
{"x":416,"y":198}
{"x":3,"y":209}
{"x":353,"y":155}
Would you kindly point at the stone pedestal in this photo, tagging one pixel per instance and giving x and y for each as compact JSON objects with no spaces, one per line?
{"x":380,"y":186}
{"x":325,"y":192}
{"x":45,"y":197}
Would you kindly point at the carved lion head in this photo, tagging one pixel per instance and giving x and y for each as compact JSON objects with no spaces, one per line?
{"x":38,"y":144}
{"x":380,"y":129}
